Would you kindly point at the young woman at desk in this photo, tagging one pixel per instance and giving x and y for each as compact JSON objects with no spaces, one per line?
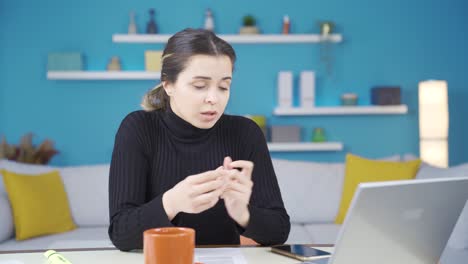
{"x":182,"y":162}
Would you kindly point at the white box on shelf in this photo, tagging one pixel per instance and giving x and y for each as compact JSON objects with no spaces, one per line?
{"x":285,"y":89}
{"x":307,"y":89}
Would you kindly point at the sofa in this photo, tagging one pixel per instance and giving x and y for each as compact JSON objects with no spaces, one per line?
{"x":311,"y":192}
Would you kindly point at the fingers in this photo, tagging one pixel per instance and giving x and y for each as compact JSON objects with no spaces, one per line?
{"x":227,"y":161}
{"x":231,"y":196}
{"x":204,"y":190}
{"x":203,"y":207}
{"x":245,"y":166}
{"x":236,"y":176}
{"x":210,"y":198}
{"x":207,"y":186}
{"x":238,"y":187}
{"x":206,"y":176}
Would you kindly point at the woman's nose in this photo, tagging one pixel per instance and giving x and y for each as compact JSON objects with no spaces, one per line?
{"x":211,"y":97}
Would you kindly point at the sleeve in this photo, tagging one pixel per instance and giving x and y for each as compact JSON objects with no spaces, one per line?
{"x":269,"y":222}
{"x":130,"y":212}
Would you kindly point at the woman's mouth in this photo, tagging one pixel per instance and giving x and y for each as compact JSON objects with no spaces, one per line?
{"x":209,"y":115}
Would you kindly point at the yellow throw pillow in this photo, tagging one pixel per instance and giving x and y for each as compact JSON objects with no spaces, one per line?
{"x":359,"y":170}
{"x":39,"y":203}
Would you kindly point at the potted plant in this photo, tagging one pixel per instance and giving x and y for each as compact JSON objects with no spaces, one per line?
{"x":26,"y":152}
{"x":326,"y":27}
{"x":249,"y":25}
{"x":326,"y":57}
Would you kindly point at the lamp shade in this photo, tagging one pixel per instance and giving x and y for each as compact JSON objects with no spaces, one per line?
{"x":433,"y":110}
{"x":433,"y":122}
{"x":434,"y":152}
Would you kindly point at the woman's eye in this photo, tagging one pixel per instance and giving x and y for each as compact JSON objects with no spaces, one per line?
{"x":224,"y":88}
{"x":199,"y":86}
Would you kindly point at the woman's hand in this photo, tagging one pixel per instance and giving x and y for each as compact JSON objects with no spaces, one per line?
{"x":195,"y":193}
{"x":238,"y":190}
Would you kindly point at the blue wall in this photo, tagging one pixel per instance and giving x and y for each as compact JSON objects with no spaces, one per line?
{"x":385,"y":43}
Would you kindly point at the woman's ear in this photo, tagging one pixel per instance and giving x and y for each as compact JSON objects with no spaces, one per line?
{"x":168,"y":88}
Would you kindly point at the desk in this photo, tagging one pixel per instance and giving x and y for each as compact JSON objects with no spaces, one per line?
{"x":257,"y":255}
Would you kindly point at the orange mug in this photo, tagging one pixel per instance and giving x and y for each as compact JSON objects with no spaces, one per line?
{"x":174,"y":245}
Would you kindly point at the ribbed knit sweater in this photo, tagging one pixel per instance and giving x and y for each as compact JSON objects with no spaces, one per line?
{"x":155,"y":150}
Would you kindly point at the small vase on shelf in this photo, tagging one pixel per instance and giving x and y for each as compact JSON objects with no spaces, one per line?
{"x":209,"y":21}
{"x":151,"y":27}
{"x":132,"y":27}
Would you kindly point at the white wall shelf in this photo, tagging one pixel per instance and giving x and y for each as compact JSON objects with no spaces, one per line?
{"x":343,"y":110}
{"x":235,"y":38}
{"x":103,"y":75}
{"x":305,"y":146}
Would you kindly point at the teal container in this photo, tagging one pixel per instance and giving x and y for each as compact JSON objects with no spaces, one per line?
{"x":65,"y":61}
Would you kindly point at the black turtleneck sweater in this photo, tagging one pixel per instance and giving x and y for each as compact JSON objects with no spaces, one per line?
{"x":155,"y":150}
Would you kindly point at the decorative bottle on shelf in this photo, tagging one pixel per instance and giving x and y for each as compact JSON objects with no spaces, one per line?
{"x":151,"y":27}
{"x":209,"y":21}
{"x":286,"y":24}
{"x":132,"y":28}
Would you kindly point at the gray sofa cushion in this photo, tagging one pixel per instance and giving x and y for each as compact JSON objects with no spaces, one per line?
{"x":311,"y":191}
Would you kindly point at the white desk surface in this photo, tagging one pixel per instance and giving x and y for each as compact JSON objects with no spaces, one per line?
{"x":257,"y":255}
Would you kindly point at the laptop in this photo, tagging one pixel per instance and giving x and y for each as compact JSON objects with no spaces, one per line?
{"x":400,"y":222}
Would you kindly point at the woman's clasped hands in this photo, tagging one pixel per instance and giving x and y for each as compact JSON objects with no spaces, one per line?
{"x":231,"y":182}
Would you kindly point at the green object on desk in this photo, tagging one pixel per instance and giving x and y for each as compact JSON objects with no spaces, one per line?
{"x":55,"y":258}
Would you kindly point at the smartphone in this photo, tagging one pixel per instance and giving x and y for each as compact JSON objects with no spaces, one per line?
{"x":300,"y":252}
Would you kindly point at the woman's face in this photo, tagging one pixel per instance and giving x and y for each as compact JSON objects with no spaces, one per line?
{"x":201,"y":92}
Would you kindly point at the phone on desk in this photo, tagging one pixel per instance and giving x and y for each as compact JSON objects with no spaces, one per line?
{"x":300,"y":252}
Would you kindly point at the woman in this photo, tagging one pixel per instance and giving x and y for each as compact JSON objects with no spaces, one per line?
{"x":182,"y":162}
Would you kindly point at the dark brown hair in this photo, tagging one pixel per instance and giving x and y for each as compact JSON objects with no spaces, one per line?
{"x":179,"y":48}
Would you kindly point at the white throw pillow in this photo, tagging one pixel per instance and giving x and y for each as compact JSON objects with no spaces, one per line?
{"x":87,"y":190}
{"x":311,"y":191}
{"x":459,"y":238}
{"x":427,"y":171}
{"x":6,"y":219}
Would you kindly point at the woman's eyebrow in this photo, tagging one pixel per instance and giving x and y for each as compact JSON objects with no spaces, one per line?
{"x":209,"y":78}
